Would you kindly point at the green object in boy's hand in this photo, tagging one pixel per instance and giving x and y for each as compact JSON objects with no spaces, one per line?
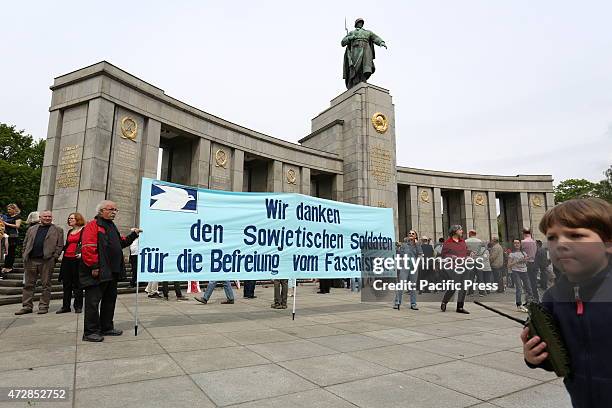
{"x":541,"y":323}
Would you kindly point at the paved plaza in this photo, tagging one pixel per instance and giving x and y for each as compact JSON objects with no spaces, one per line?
{"x":338,"y":353}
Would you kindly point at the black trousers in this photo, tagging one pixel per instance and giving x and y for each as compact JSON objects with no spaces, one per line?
{"x":69,"y":270}
{"x":100,"y":307}
{"x":249,"y":288}
{"x":134,"y":265}
{"x":177,"y":289}
{"x":325,"y":285}
{"x":449,"y":293}
{"x":9,"y":260}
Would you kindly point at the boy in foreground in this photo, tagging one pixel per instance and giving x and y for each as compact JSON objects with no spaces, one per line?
{"x":579,"y":235}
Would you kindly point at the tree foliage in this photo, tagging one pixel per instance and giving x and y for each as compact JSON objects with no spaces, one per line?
{"x":21,"y":159}
{"x":581,"y":188}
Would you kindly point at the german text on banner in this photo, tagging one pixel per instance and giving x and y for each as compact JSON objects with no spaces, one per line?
{"x":197,"y":234}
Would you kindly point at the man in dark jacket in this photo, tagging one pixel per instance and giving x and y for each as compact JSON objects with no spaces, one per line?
{"x":103,"y":265}
{"x":42,"y":246}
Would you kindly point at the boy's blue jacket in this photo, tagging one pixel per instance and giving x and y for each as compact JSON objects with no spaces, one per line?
{"x":587,"y":334}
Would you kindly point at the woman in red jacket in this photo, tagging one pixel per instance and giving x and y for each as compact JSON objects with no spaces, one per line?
{"x":455,"y":248}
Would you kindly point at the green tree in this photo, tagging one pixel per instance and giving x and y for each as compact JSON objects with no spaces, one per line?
{"x":574,"y":188}
{"x":603,"y":189}
{"x":21,"y":159}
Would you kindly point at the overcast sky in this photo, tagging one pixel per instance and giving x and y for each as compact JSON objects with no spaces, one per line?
{"x":491,"y":87}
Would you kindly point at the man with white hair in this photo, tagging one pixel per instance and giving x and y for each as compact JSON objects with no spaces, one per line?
{"x":103,"y":266}
{"x":42,"y":246}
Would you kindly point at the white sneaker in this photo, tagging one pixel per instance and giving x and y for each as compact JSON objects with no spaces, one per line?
{"x":522,"y":308}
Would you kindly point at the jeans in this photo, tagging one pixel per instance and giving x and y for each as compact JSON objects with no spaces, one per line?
{"x":521,"y":279}
{"x":406,"y":275}
{"x":496,"y":278}
{"x":227,"y":287}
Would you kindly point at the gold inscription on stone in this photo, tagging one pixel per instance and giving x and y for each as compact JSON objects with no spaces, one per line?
{"x":479,"y":199}
{"x":380,"y":122}
{"x":381,"y":204}
{"x":536,"y":201}
{"x":221,"y":158}
{"x":69,"y":167}
{"x":291,"y":176}
{"x":380,"y":165}
{"x":129,"y":128}
{"x":424,"y":196}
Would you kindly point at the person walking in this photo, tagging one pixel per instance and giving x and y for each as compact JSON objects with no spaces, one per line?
{"x":227,"y":287}
{"x":69,"y":268}
{"x":280,"y":294}
{"x":41,"y":248}
{"x":530,"y":248}
{"x":412,"y":250}
{"x":517,"y":263}
{"x":102,"y":267}
{"x":455,"y":249}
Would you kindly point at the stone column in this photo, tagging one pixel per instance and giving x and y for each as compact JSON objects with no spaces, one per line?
{"x":337,"y":187}
{"x":437,"y":202}
{"x":275,"y":176}
{"x":492,"y":202}
{"x":467,"y":217}
{"x":150,"y":148}
{"x":524,"y":215}
{"x":550,"y":200}
{"x":425,"y":202}
{"x":305,"y":181}
{"x":82,"y":163}
{"x":49,"y":169}
{"x":200,"y":163}
{"x":238,"y":170}
{"x":413,"y":208}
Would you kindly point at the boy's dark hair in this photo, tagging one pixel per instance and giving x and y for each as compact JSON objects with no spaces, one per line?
{"x":591,"y":213}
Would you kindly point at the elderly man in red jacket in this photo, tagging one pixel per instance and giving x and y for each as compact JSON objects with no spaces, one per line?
{"x":103,"y":265}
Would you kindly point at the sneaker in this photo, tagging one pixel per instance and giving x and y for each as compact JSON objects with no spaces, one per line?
{"x":23,"y":311}
{"x":274,"y":305}
{"x":462,"y":310}
{"x":43,"y":311}
{"x":522,"y":308}
{"x":113,"y":332}
{"x":283,"y":307}
{"x":154,"y":295}
{"x":201,"y":300}
{"x":414,"y":307}
{"x":181,"y":298}
{"x":228,"y":302}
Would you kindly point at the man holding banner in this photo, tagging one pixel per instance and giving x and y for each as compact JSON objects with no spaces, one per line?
{"x":102,"y":266}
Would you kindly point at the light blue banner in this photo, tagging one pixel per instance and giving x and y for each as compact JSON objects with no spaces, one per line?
{"x":197,"y":234}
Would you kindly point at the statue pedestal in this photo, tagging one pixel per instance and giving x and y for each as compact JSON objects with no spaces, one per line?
{"x":359,"y":126}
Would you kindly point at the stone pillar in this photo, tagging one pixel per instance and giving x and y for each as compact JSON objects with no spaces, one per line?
{"x":480,"y":214}
{"x":150,"y":148}
{"x":425,"y":200}
{"x":123,"y":184}
{"x":238,"y":170}
{"x":550,"y":200}
{"x":437,"y":203}
{"x":200,"y":163}
{"x":49,"y":168}
{"x":492,"y":214}
{"x":305,"y":181}
{"x":467,"y":217}
{"x":537,"y":208}
{"x":412,"y":208}
{"x":220,"y":167}
{"x":366,"y":144}
{"x":275,"y":176}
{"x":292,"y":178}
{"x":524,"y":213}
{"x":337,"y":187}
{"x":82,"y":162}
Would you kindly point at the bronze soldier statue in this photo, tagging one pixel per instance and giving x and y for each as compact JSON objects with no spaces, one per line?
{"x":359,"y":54}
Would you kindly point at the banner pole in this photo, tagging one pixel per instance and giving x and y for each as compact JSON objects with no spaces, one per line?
{"x":294,"y":297}
{"x":136,"y":311}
